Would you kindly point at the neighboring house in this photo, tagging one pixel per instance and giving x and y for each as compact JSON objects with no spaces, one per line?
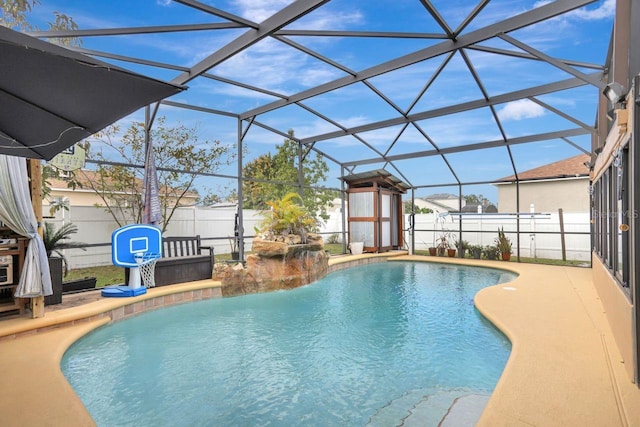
{"x":439,"y":203}
{"x":477,"y":208}
{"x":563,"y":184}
{"x":445,"y":202}
{"x":85,"y":196}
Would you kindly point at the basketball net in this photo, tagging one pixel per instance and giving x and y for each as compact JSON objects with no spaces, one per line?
{"x":146,"y":266}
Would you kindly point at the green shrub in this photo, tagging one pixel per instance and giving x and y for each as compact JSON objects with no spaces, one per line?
{"x":287,"y":216}
{"x":334,"y":239}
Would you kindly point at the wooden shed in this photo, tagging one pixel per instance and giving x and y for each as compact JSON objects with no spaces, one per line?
{"x":375,"y":210}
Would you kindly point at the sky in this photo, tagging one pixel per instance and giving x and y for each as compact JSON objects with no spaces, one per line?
{"x":582,"y":35}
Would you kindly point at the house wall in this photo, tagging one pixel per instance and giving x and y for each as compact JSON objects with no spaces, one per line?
{"x":613,"y":137}
{"x":87,"y":197}
{"x":440,"y":205}
{"x":619,"y":312}
{"x":75,"y":198}
{"x":572,"y":195}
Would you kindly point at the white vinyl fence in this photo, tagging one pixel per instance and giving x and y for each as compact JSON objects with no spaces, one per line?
{"x":482,"y":229}
{"x":216,"y":226}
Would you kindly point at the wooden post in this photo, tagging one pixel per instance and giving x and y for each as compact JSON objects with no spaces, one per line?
{"x":35,"y":173}
{"x":564,"y":249}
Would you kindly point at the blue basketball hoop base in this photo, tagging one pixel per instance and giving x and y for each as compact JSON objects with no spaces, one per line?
{"x":121,"y":291}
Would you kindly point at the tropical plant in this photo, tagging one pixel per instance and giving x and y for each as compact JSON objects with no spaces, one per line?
{"x":476,"y":251}
{"x":55,"y":241}
{"x":503,"y":243}
{"x":334,"y":239}
{"x":287,"y":216}
{"x":491,"y":252}
{"x":462,"y":246}
{"x":443,"y":242}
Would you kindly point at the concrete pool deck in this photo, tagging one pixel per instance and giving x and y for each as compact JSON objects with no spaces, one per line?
{"x":564,"y":368}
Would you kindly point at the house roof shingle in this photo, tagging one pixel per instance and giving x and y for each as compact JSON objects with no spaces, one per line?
{"x":567,"y":168}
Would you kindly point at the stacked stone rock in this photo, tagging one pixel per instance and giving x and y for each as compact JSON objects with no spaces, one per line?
{"x":274,"y":265}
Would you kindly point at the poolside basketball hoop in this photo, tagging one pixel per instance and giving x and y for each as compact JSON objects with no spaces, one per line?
{"x":136,"y":247}
{"x":146,"y":267}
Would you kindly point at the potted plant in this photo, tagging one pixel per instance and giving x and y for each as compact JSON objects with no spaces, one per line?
{"x":491,"y":252}
{"x":233,"y":244}
{"x":55,"y":241}
{"x":356,"y":247}
{"x":476,"y":251}
{"x":462,"y":246}
{"x":503,"y":244}
{"x":442,"y":243}
{"x":432,"y":250}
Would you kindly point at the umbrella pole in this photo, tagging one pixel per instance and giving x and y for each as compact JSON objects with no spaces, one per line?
{"x":35,"y":172}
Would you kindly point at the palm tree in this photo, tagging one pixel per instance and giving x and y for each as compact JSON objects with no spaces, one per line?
{"x":54,"y":241}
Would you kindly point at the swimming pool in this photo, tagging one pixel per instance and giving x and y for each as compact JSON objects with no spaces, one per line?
{"x":362,"y":346}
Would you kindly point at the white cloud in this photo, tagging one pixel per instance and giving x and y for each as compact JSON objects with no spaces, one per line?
{"x":320,"y":19}
{"x":521,"y":109}
{"x":275,"y":66}
{"x":324,"y":19}
{"x":606,"y":10}
{"x":259,"y":10}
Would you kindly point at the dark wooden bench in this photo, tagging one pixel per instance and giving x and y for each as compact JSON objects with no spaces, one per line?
{"x":184,"y":259}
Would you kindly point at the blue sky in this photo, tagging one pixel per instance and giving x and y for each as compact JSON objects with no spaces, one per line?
{"x":582,"y":35}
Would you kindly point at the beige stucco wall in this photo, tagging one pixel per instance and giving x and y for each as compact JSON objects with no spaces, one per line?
{"x":572,"y":195}
{"x":619,"y":312}
{"x":76,"y":197}
{"x":84,"y":197}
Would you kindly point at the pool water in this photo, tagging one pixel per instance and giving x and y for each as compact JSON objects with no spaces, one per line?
{"x":361,"y":346}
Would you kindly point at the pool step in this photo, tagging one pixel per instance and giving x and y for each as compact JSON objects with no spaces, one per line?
{"x":465,"y":411}
{"x":423,"y":408}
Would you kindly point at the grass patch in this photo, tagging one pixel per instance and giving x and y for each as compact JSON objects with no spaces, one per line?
{"x":546,"y":261}
{"x":570,"y":263}
{"x":105,"y":275}
{"x":333,"y":248}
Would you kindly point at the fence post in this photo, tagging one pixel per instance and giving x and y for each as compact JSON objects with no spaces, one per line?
{"x":532,"y":245}
{"x":564,"y":249}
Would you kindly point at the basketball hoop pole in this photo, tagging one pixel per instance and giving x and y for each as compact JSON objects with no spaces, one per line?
{"x":135,"y":280}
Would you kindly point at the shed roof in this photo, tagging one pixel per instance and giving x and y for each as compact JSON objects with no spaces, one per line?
{"x":378,"y":176}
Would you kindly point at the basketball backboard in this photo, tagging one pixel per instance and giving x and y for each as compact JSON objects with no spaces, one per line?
{"x":134,"y":239}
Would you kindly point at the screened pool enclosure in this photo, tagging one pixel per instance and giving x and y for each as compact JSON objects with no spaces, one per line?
{"x":452,"y":98}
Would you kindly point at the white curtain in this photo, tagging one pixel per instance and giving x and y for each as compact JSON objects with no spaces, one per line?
{"x":16,"y":212}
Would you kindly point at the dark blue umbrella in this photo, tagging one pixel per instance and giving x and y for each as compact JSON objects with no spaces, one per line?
{"x":52,"y":97}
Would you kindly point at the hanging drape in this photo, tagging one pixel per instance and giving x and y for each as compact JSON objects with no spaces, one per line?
{"x":16,"y":212}
{"x":152,"y":211}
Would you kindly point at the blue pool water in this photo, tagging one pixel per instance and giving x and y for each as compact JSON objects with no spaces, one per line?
{"x":338,"y":352}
